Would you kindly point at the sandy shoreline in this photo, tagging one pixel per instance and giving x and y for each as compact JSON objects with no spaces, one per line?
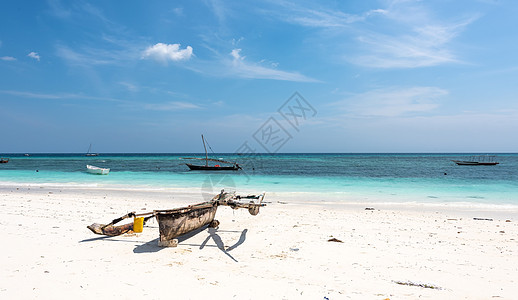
{"x":282,"y":253}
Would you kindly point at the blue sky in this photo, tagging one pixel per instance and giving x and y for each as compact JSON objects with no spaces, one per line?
{"x":151,"y":76}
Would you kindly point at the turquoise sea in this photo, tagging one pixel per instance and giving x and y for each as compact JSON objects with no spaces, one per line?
{"x":421,"y":178}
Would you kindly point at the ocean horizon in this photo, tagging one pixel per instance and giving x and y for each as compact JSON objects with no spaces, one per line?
{"x":365,"y":177}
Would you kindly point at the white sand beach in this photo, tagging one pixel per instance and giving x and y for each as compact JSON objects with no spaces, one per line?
{"x":394,"y":251}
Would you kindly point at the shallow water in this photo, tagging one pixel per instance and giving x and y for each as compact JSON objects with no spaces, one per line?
{"x":422,"y":178}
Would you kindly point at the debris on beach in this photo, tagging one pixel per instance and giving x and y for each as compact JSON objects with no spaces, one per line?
{"x":422,"y":285}
{"x":482,"y":219}
{"x":334,"y":240}
{"x":369,"y":208}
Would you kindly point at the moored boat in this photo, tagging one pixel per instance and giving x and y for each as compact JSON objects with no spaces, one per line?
{"x":90,"y":153}
{"x":4,"y":160}
{"x":216,"y":167}
{"x":96,"y":170}
{"x":228,"y":165}
{"x":482,"y":160}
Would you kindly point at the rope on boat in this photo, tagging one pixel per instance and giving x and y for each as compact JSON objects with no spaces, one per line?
{"x":209,"y":146}
{"x":129,"y":215}
{"x":211,"y":159}
{"x":115,"y":221}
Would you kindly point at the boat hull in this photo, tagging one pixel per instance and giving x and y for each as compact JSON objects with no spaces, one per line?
{"x":96,"y":170}
{"x":110,"y":230}
{"x":176,"y":222}
{"x":474,"y":163}
{"x":213,"y":168}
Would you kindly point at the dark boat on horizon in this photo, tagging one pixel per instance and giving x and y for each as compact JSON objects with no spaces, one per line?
{"x":90,"y":153}
{"x":230,"y":166}
{"x":482,"y":160}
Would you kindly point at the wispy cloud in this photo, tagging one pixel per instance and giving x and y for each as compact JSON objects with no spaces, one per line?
{"x":392,"y":102}
{"x":130,"y":86}
{"x":34,"y":55}
{"x":218,"y":8}
{"x":172,"y":106}
{"x":424,"y":46}
{"x":167,"y":52}
{"x":162,"y":106}
{"x":297,"y":13}
{"x":178,"y":11}
{"x":58,"y":10}
{"x":414,"y":38}
{"x":7,"y":58}
{"x":401,"y":34}
{"x":58,"y":96}
{"x":115,"y":45}
{"x":83,"y":58}
{"x":90,"y":56}
{"x":240,"y":67}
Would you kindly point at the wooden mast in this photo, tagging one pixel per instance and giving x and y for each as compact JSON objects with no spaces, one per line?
{"x":206,"y":156}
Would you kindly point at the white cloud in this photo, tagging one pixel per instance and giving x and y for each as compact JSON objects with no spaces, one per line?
{"x":167,"y":52}
{"x":235,"y":54}
{"x":34,"y":55}
{"x":7,"y":58}
{"x":393,"y":102}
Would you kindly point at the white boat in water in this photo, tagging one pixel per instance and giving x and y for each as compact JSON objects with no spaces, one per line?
{"x":97,"y":170}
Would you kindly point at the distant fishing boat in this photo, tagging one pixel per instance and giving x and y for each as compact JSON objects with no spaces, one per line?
{"x":96,"y":170}
{"x":89,"y":152}
{"x":231,"y":166}
{"x":4,"y":160}
{"x":482,"y":160}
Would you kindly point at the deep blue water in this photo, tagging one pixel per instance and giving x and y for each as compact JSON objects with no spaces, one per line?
{"x":404,"y":177}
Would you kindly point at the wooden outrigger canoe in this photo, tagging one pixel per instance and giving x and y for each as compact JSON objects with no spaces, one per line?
{"x":173,"y":223}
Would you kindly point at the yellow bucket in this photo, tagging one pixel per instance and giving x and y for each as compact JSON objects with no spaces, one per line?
{"x":138,"y":224}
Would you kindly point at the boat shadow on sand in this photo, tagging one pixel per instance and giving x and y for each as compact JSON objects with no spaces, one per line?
{"x":152,"y":246}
